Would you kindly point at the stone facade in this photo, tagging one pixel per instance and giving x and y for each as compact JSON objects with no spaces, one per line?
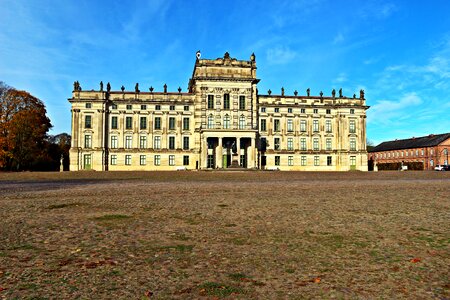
{"x":221,"y":122}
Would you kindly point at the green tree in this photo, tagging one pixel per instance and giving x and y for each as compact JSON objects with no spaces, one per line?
{"x":23,"y":129}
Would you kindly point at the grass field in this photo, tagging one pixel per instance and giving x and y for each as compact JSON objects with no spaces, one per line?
{"x":244,"y":235}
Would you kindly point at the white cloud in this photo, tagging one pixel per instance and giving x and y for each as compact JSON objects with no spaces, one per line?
{"x":342,"y":77}
{"x":280,"y":55}
{"x":388,"y":112}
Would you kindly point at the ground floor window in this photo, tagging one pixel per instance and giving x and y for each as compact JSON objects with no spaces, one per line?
{"x":277,"y":160}
{"x":303,"y":160}
{"x":171,"y":160}
{"x":431,"y":163}
{"x":143,"y":160}
{"x":127,"y":160}
{"x":157,"y":160}
{"x":290,"y":160}
{"x":329,"y":161}
{"x":352,"y":162}
{"x":113,"y":159}
{"x":186,"y":160}
{"x":210,"y":161}
{"x":242,"y":161}
{"x":87,"y":161}
{"x":316,"y":160}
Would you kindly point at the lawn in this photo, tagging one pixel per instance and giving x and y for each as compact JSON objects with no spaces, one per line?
{"x":235,"y":235}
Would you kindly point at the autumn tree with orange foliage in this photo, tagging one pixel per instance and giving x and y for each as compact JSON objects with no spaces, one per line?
{"x":23,"y":129}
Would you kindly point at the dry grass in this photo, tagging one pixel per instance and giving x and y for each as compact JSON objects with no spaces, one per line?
{"x":245,"y":235}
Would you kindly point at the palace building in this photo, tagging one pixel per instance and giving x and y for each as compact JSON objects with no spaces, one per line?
{"x":220,"y":122}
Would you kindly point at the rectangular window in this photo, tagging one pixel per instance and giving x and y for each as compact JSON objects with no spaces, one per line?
{"x":352,"y":111}
{"x":185,"y":160}
{"x":329,"y":161}
{"x":315,"y":111}
{"x":263,"y":124}
{"x":186,"y":108}
{"x":128,"y":142}
{"x":87,"y":121}
{"x":143,"y":107}
{"x":87,"y":141}
{"x":352,"y":126}
{"x":226,"y":101}
{"x":328,"y":111}
{"x":226,"y":122}
{"x":113,"y":106}
{"x":352,"y":160}
{"x":316,"y":144}
{"x":129,"y":107}
{"x":143,"y":123}
{"x":352,"y":145}
{"x":171,"y":142}
{"x":114,"y":142}
{"x":290,"y":125}
{"x":276,"y":125}
{"x":185,"y":123}
{"x":113,"y":122}
{"x":210,"y":101}
{"x":142,"y":142}
{"x":328,"y":144}
{"x":142,"y":160}
{"x":171,"y":160}
{"x":113,"y":159}
{"x":290,"y":144}
{"x":242,"y":122}
{"x":157,"y":107}
{"x":303,"y":144}
{"x":290,"y":160}
{"x":277,"y":160}
{"x":128,"y":122}
{"x":88,"y":105}
{"x":263,"y":109}
{"x":210,"y":121}
{"x":157,"y":123}
{"x":242,"y":102}
{"x":328,"y":126}
{"x":302,"y":110}
{"x":171,"y":123}
{"x":303,"y":125}
{"x":186,"y":143}
{"x":276,"y":143}
{"x":157,"y":142}
{"x":172,"y":107}
{"x":277,"y":109}
{"x":303,"y":160}
{"x":128,"y":160}
{"x":289,"y":110}
{"x":316,"y":125}
{"x":316,"y":160}
{"x":157,"y":160}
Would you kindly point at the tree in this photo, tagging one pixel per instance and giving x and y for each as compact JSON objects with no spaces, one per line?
{"x":23,"y":129}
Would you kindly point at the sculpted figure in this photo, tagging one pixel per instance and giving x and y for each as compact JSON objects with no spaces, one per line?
{"x":321,"y":94}
{"x":308,"y":91}
{"x":165,"y":88}
{"x":108,"y":87}
{"x":361,"y":94}
{"x":136,"y":88}
{"x":101,"y":86}
{"x":282,"y":91}
{"x":340,"y":93}
{"x":333,"y":93}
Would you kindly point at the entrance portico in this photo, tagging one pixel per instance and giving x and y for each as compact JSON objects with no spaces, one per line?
{"x":224,"y":150}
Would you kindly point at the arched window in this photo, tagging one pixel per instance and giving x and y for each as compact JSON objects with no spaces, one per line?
{"x":226,"y":122}
{"x":242,"y":122}
{"x":210,"y":122}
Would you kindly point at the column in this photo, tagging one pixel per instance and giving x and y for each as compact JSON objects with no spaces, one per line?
{"x":251,"y":154}
{"x":219,"y":150}
{"x":204,"y":154}
{"x":238,"y":150}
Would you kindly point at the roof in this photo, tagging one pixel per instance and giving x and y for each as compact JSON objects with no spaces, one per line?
{"x":419,"y":142}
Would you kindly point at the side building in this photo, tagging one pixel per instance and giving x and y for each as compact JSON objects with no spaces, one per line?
{"x":426,"y":151}
{"x":220,"y":122}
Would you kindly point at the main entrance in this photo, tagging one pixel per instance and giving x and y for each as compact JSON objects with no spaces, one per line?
{"x":228,"y":152}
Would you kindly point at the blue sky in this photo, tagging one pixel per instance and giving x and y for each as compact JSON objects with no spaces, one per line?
{"x":398,"y":51}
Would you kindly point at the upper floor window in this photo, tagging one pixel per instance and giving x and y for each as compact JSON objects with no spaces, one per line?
{"x":210,"y":121}
{"x":290,"y":144}
{"x":88,"y":122}
{"x":143,"y":107}
{"x":113,"y":122}
{"x":242,"y":122}
{"x":87,"y":141}
{"x":276,"y":143}
{"x":129,"y":107}
{"x":171,"y":142}
{"x":328,"y":144}
{"x":142,"y":142}
{"x":290,"y":125}
{"x":303,"y":125}
{"x":328,"y":126}
{"x":185,"y":143}
{"x":276,"y":125}
{"x":303,"y":144}
{"x":171,"y":123}
{"x":88,"y":105}
{"x":128,"y":123}
{"x":157,"y":123}
{"x":114,"y":141}
{"x":316,"y":125}
{"x":302,"y":110}
{"x":352,"y":126}
{"x":328,"y":111}
{"x":352,"y":111}
{"x":241,"y":102}
{"x":157,"y":107}
{"x":277,"y":109}
{"x":113,"y":106}
{"x":210,"y":101}
{"x":172,"y":107}
{"x":143,"y":123}
{"x":289,"y":110}
{"x":226,"y":122}
{"x":315,"y":111}
{"x":263,"y":109}
{"x":316,"y":144}
{"x":128,"y":142}
{"x":353,"y":145}
{"x":157,"y":142}
{"x":185,"y":123}
{"x":186,"y":108}
{"x":226,"y":101}
{"x":263,"y":125}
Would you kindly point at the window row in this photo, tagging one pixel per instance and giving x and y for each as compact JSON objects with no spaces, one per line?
{"x":304,"y":125}
{"x":226,"y":102}
{"x":127,"y":160}
{"x":408,"y":153}
{"x":303,"y":146}
{"x":155,"y":107}
{"x":143,"y":123}
{"x":303,"y":161}
{"x":226,"y":124}
{"x":303,"y":110}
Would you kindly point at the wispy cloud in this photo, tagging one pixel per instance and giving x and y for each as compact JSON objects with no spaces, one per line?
{"x":389,"y":112}
{"x":280,"y":55}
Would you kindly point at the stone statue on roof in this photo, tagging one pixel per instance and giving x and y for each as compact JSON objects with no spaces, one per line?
{"x":361,"y":94}
{"x":333,"y":93}
{"x":340,"y":93}
{"x":101,"y":86}
{"x":136,"y":88}
{"x":308,"y":91}
{"x":108,"y":87}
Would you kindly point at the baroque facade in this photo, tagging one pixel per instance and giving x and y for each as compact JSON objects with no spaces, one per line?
{"x":221,"y":122}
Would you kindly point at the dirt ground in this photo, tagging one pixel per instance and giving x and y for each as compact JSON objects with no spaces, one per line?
{"x":233,"y":235}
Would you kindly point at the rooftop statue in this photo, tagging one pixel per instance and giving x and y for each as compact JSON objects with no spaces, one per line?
{"x":136,"y":88}
{"x":108,"y":87}
{"x":361,"y":94}
{"x":101,"y":86}
{"x":340,"y":93}
{"x":308,"y":91}
{"x":333,"y":93}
